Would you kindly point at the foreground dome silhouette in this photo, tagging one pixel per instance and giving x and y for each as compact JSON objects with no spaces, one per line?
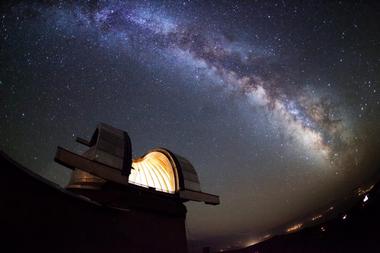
{"x":112,"y":204}
{"x":109,"y":159}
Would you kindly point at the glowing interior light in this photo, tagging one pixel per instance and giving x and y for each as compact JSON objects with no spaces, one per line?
{"x":153,"y":170}
{"x":365,"y":198}
{"x":344,"y":217}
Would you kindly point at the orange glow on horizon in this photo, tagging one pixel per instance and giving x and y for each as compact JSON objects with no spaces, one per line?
{"x":294,"y":228}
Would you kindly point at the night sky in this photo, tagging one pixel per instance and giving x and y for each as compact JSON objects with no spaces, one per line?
{"x":276,"y":104}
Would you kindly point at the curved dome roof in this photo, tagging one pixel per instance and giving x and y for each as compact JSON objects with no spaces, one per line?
{"x":154,"y":170}
{"x":109,"y":159}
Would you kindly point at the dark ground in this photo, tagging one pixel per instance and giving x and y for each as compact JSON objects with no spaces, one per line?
{"x":38,"y":216}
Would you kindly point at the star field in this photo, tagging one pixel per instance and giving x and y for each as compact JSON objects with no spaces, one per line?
{"x":275,"y":103}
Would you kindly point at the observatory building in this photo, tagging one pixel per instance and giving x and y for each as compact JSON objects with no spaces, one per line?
{"x":113,"y":203}
{"x":109,"y":159}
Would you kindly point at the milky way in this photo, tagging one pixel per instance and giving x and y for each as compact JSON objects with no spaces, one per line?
{"x":275,"y":103}
{"x":309,"y":123}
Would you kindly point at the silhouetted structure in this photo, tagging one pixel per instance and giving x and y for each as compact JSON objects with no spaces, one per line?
{"x":109,"y":159}
{"x":106,"y":211}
